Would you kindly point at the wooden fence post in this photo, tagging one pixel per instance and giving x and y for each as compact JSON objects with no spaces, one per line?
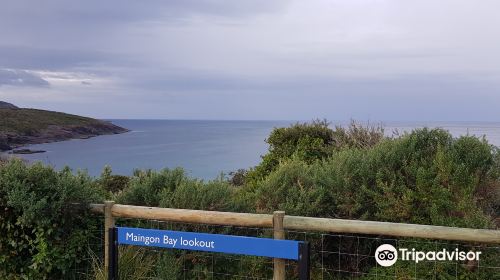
{"x":109,"y":222}
{"x":279,"y":233}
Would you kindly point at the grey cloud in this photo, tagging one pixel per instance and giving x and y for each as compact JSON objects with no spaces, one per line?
{"x":331,"y":58}
{"x":21,"y":78}
{"x":131,"y":10}
{"x":180,"y":80}
{"x":225,"y":8}
{"x":21,"y":57}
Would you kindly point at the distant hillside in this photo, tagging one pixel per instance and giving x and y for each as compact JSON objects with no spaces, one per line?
{"x":19,"y":127}
{"x":5,"y":105}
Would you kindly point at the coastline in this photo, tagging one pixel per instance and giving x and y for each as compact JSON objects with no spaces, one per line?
{"x":13,"y":141}
{"x":20,"y":127}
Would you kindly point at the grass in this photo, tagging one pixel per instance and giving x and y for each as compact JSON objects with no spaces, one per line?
{"x":133,"y":263}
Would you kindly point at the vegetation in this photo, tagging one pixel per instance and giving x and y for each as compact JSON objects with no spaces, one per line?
{"x":309,"y":142}
{"x":136,"y":263}
{"x":30,"y":121}
{"x":5,"y":105}
{"x":43,"y":232}
{"x":30,"y":126}
{"x":425,"y":177}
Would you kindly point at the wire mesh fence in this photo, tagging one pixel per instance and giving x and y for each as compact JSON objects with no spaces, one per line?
{"x":90,"y":262}
{"x":179,"y":264}
{"x":353,"y":257}
{"x":333,"y":256}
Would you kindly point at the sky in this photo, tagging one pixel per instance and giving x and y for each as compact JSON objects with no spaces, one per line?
{"x":369,"y":60}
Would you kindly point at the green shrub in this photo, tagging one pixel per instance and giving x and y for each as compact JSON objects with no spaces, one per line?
{"x":423,"y":177}
{"x":169,"y":266}
{"x":295,"y":188}
{"x":145,"y":186}
{"x":238,"y":178}
{"x":43,"y":227}
{"x":133,"y":263}
{"x":112,"y":183}
{"x":194,"y":194}
{"x":313,"y":141}
{"x":308,"y":141}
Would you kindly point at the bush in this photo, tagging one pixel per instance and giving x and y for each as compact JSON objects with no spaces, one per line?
{"x":238,"y":178}
{"x":193,"y":194}
{"x":43,"y":227}
{"x":295,"y":189}
{"x":133,"y":263}
{"x":423,"y":177}
{"x":173,"y":189}
{"x":145,"y":186}
{"x":313,"y":141}
{"x":112,"y":183}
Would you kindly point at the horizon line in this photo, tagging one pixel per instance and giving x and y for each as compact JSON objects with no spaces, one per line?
{"x":302,"y":121}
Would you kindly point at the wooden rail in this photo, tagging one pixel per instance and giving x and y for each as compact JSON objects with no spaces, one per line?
{"x":302,"y":223}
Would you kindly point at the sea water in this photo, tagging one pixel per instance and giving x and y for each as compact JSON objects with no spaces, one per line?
{"x":203,"y":148}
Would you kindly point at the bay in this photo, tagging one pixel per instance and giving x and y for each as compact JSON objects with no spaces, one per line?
{"x":203,"y":148}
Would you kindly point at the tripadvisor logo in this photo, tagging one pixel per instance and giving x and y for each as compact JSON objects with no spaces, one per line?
{"x":387,"y":255}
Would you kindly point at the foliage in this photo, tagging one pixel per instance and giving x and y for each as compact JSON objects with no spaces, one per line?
{"x":29,"y":121}
{"x":19,"y":127}
{"x":313,"y":141}
{"x":134,"y":263}
{"x":424,"y":177}
{"x":193,"y":194}
{"x":237,"y":178}
{"x":295,"y":189}
{"x":307,"y":141}
{"x":168,"y":267}
{"x":43,"y":227}
{"x":173,"y":189}
{"x":145,"y":186}
{"x":113,"y":183}
{"x":355,"y":135}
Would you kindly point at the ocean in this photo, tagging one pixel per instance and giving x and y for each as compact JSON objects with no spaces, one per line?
{"x":203,"y":148}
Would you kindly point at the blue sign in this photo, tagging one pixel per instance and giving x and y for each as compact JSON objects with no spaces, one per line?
{"x":230,"y":244}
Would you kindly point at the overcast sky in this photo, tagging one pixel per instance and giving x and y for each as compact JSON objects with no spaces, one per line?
{"x":254,"y":59}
